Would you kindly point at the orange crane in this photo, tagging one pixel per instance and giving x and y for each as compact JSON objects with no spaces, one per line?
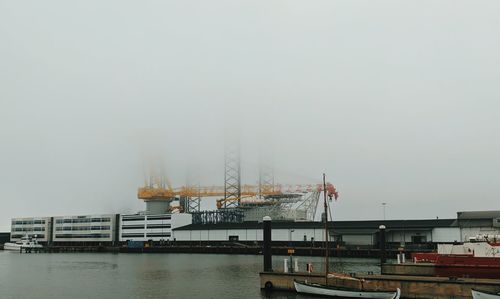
{"x":163,"y":192}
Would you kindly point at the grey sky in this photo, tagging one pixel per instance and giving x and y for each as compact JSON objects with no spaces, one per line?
{"x":397,"y":101}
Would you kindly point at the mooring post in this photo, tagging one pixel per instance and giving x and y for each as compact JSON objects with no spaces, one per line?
{"x":266,"y":250}
{"x":382,"y":244}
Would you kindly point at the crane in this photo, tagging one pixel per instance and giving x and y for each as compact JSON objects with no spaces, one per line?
{"x":166,"y":192}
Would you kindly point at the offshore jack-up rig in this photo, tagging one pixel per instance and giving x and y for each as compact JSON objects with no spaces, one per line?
{"x":236,"y":202}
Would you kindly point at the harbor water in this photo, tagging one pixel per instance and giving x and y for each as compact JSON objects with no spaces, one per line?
{"x":106,"y":275}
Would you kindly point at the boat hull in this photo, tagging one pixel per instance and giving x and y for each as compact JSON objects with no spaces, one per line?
{"x":467,"y":266}
{"x":11,"y":246}
{"x":317,"y":289}
{"x":484,"y":295}
{"x":17,"y":247}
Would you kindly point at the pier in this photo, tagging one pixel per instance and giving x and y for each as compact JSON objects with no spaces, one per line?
{"x":411,"y":286}
{"x":414,"y":280}
{"x":56,"y":249}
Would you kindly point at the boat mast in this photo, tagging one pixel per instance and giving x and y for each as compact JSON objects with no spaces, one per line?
{"x":326,"y":230}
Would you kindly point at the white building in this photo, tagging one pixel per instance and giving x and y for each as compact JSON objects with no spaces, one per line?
{"x":476,"y":223}
{"x":151,"y":227}
{"x":38,"y":227}
{"x":84,"y":228}
{"x":348,"y":233}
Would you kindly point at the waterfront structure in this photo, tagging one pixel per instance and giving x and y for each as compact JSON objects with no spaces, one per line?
{"x":32,"y":227}
{"x":474,"y":223}
{"x":112,"y":229}
{"x":101,"y":229}
{"x":84,"y":229}
{"x":348,"y":233}
{"x":60,"y":230}
{"x":353,"y":234}
{"x":145,"y":227}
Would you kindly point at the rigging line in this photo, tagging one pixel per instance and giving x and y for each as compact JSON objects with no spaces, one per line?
{"x":340,"y":265}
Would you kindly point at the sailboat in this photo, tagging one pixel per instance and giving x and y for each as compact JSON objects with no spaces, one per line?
{"x":335,"y":291}
{"x":476,"y":294}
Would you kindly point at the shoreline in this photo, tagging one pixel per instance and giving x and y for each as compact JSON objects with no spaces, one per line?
{"x":224,"y":249}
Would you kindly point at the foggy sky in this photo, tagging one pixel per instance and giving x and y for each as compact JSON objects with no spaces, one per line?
{"x":397,"y":101}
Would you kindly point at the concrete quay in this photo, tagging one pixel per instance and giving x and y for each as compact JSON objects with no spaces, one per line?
{"x":411,"y":286}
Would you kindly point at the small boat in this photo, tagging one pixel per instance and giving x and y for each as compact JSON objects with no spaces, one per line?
{"x":24,"y":243}
{"x":337,"y":291}
{"x":476,"y":294}
{"x":331,"y":291}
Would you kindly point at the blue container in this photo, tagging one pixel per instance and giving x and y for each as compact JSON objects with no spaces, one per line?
{"x":135,"y":244}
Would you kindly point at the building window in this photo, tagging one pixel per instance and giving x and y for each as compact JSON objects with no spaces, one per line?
{"x":133,"y":226}
{"x":22,"y":229}
{"x":81,"y":236}
{"x":82,"y":228}
{"x":158,"y":235}
{"x":158,"y":226}
{"x":160,"y":217}
{"x":17,"y":236}
{"x":105,"y":219}
{"x":106,"y":227}
{"x":133,"y":218}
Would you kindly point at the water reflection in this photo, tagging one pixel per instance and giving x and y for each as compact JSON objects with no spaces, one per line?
{"x":100,"y":275}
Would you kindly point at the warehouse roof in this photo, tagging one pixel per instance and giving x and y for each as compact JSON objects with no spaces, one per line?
{"x":364,"y":224}
{"x":478,"y":215}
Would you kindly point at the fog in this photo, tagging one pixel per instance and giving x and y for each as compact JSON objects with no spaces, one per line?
{"x":396,"y":101}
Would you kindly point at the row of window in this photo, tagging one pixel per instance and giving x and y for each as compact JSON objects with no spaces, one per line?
{"x":137,"y":235}
{"x":106,"y":227}
{"x":83,"y":220}
{"x":132,"y":235}
{"x":160,"y":217}
{"x":82,"y":236}
{"x":142,"y":218}
{"x":26,"y":222}
{"x":158,"y":226}
{"x":141,"y":226}
{"x":158,"y":235}
{"x":28,"y":229}
{"x":18,"y":236}
{"x":133,"y":226}
{"x":133,"y":218}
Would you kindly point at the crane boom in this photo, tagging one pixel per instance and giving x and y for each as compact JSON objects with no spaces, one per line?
{"x":161,"y":193}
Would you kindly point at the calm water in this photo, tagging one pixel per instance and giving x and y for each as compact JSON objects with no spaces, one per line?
{"x":96,"y":275}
